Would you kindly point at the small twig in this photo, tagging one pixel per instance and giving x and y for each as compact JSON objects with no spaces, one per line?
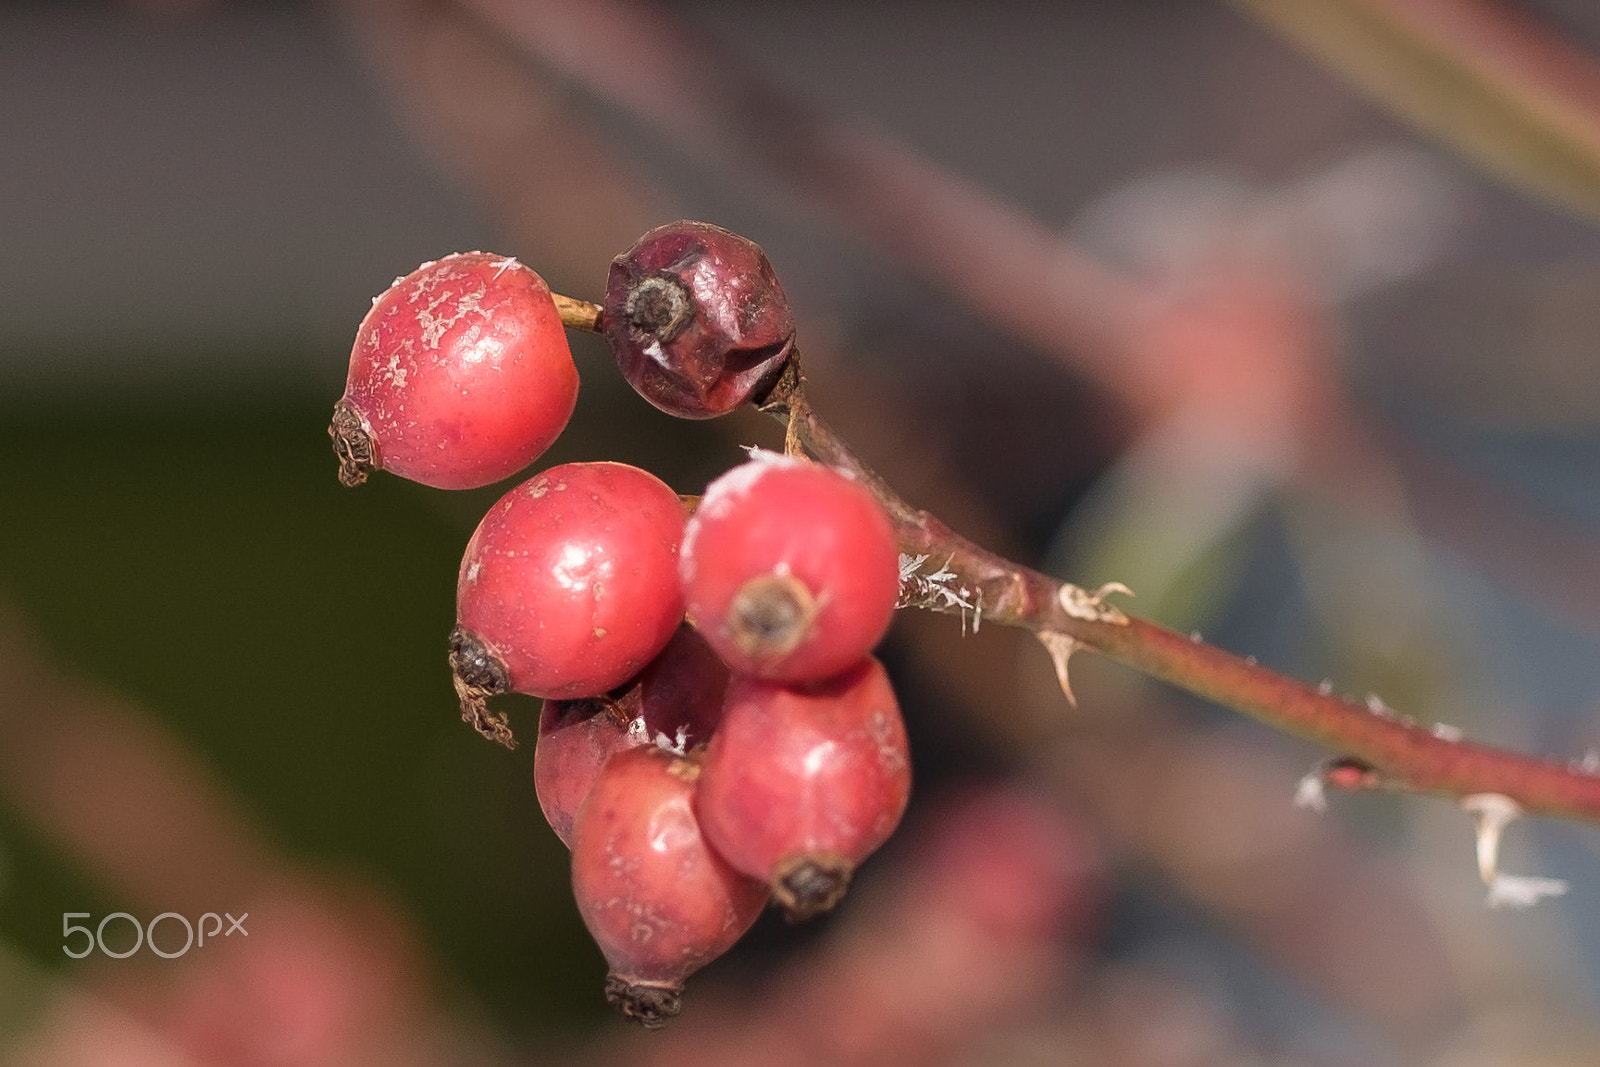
{"x":578,"y":314}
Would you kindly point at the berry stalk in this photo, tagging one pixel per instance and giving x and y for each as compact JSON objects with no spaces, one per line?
{"x":944,"y":572}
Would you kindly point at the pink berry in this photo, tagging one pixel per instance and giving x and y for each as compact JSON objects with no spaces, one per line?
{"x":460,"y":376}
{"x":790,"y":569}
{"x":576,"y":738}
{"x":675,"y":702}
{"x":696,"y":319}
{"x":800,"y":784}
{"x":1014,"y":863}
{"x":567,"y":588}
{"x":657,"y":900}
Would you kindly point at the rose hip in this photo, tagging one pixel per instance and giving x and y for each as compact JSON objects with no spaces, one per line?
{"x":460,"y":376}
{"x":657,"y":900}
{"x":675,"y":703}
{"x":790,"y":569}
{"x":800,"y":784}
{"x":696,"y":319}
{"x":566,"y":588}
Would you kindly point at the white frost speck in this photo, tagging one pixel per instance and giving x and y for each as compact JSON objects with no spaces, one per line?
{"x":731,"y":486}
{"x":677,"y":746}
{"x":1311,"y":794}
{"x":1445,"y":732}
{"x":1326,"y":688}
{"x":1522,"y":891}
{"x":909,"y":564}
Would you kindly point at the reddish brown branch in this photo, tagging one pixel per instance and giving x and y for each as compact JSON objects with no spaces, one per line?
{"x":1408,"y":755}
{"x":974,"y":581}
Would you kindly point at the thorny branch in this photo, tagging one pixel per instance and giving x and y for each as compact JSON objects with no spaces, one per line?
{"x":956,"y":576}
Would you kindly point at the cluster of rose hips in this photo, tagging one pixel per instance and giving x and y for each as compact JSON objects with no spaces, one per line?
{"x":715,"y":731}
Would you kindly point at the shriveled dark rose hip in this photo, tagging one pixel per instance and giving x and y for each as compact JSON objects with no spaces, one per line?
{"x":696,"y":319}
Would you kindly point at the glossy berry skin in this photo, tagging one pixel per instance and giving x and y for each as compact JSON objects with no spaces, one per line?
{"x":802,"y":783}
{"x":658,"y":901}
{"x":790,"y":569}
{"x":676,"y":702}
{"x":567,"y":584}
{"x":696,"y":319}
{"x":460,"y":376}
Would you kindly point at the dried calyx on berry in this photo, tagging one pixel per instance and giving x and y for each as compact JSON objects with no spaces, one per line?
{"x":696,"y":319}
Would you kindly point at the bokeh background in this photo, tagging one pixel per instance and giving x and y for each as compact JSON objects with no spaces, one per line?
{"x":1132,"y":292}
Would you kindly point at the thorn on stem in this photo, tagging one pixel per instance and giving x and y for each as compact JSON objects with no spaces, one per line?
{"x":1491,"y":814}
{"x":1061,"y":647}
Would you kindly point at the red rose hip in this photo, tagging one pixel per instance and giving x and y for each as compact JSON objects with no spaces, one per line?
{"x":567,"y":587}
{"x":696,"y":319}
{"x":460,"y":376}
{"x":800,"y":784}
{"x":658,"y":901}
{"x":790,"y":569}
{"x":675,"y":702}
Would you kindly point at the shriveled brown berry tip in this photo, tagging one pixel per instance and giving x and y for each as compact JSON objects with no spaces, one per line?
{"x":358,"y":457}
{"x":478,"y":675}
{"x":770,"y":615}
{"x":806,"y":886}
{"x":650,"y":1004}
{"x":658,"y":306}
